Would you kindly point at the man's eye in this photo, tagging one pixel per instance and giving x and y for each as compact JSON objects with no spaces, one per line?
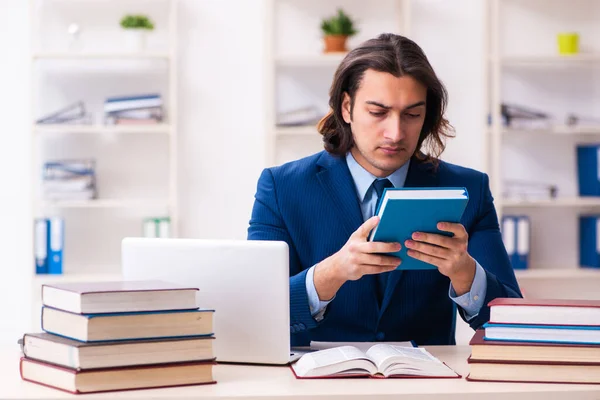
{"x":377,"y":114}
{"x":413,"y":115}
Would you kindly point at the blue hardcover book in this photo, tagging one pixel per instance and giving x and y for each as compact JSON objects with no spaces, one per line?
{"x":40,"y":240}
{"x":56,"y":239}
{"x":403,"y":211}
{"x":589,"y":241}
{"x":588,"y":170}
{"x":576,"y":334}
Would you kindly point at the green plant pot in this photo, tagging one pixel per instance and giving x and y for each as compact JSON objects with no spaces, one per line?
{"x":568,"y":43}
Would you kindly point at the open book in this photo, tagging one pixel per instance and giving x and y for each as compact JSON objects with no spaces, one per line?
{"x":379,"y":361}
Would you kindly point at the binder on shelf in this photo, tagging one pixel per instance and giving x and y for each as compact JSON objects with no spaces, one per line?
{"x":56,"y":239}
{"x":40,"y":241}
{"x":516,"y":235}
{"x":589,"y":241}
{"x":588,"y":170}
{"x":157,"y":227}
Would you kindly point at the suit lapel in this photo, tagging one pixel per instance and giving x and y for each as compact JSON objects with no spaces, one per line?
{"x":337,"y":182}
{"x":419,"y":175}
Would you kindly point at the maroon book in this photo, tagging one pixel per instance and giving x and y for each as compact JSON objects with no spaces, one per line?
{"x":116,"y":379}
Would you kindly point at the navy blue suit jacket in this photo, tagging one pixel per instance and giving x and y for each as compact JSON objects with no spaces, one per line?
{"x":312,"y":205}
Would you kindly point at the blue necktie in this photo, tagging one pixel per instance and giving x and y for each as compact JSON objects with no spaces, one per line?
{"x":378,"y":186}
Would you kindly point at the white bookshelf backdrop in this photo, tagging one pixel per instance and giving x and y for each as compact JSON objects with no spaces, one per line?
{"x":525,"y":69}
{"x":136,"y":174}
{"x":298,"y":71}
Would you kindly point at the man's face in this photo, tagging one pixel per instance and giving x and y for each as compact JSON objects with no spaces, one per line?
{"x":386,"y":121}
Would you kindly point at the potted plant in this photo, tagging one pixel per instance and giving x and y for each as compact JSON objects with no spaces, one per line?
{"x":136,"y":28}
{"x":336,"y":30}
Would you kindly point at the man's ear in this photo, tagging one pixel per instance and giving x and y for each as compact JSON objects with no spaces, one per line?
{"x":346,"y":110}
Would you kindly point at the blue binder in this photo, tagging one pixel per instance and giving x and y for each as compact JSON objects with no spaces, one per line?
{"x":401,"y":217}
{"x":588,"y":170}
{"x":589,"y":241}
{"x":516,"y":235}
{"x":56,"y":238}
{"x":40,"y":244}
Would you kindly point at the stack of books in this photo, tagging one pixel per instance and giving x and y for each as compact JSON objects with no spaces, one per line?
{"x":134,"y":110}
{"x":69,"y":180}
{"x":118,"y":336}
{"x":555,"y":341}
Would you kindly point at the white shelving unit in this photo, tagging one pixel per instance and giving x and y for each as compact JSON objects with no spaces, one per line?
{"x":525,"y":68}
{"x":299,"y":73}
{"x":136,"y":165}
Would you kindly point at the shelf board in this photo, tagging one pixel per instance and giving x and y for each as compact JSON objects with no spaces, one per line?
{"x":558,"y":273}
{"x":101,"y":129}
{"x":80,"y":276}
{"x":105,"y":203}
{"x":310,"y":60}
{"x":559,"y":202}
{"x":550,"y":61}
{"x":561,"y":130}
{"x":306,"y":130}
{"x":99,"y":56}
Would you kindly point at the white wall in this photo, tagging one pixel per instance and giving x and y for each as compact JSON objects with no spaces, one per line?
{"x":15,"y":172}
{"x":452,"y":35}
{"x":222,"y":126}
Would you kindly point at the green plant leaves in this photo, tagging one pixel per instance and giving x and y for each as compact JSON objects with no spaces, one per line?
{"x":340,"y":24}
{"x":136,"y":22}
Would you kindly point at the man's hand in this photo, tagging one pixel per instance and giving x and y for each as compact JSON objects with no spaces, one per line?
{"x":357,"y":258}
{"x":448,"y":254}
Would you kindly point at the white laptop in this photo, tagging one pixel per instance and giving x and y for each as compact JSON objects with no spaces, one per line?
{"x":245,"y":282}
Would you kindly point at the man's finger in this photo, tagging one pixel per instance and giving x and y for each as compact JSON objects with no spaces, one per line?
{"x":437,"y":262}
{"x":379,"y":247}
{"x":379,"y":259}
{"x":376,"y":269}
{"x":363,"y":231}
{"x":434,"y":238}
{"x":429,"y":249}
{"x":458,"y":230}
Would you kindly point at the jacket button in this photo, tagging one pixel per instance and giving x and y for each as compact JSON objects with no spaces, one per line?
{"x":380,"y":336}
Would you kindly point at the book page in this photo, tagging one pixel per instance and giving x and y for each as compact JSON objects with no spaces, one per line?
{"x":332,"y":361}
{"x":397,"y":360}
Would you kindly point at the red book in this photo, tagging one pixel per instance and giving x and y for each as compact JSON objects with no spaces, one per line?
{"x":545,"y":312}
{"x":113,"y":379}
{"x":492,"y":350}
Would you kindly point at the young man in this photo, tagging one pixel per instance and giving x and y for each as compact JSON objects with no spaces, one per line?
{"x":386,"y":127}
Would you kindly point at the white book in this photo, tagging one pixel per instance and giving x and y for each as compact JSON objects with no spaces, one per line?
{"x":380,"y":360}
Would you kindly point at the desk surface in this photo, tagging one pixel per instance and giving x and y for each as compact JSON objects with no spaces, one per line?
{"x":259,"y":382}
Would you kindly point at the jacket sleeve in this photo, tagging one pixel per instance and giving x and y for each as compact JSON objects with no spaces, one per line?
{"x":267,"y":223}
{"x":486,"y":246}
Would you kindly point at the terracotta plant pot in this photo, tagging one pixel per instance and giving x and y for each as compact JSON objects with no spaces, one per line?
{"x":335,"y":43}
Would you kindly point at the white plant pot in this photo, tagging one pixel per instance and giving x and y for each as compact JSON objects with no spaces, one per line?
{"x":135,"y":40}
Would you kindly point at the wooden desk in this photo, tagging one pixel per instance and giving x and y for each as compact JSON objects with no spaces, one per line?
{"x":260,"y":382}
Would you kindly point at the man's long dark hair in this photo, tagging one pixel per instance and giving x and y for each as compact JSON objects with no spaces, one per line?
{"x":398,"y":56}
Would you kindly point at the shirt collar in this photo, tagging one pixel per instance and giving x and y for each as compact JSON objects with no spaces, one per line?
{"x":363,"y":178}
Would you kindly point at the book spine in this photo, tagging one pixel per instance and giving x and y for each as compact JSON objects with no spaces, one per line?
{"x":588,"y":170}
{"x":56,"y":233}
{"x":41,"y":246}
{"x":589,"y":241}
